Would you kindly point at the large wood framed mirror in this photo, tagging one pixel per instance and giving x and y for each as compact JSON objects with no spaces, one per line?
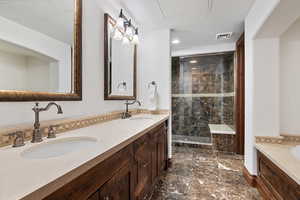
{"x":120,"y":64}
{"x":40,"y":50}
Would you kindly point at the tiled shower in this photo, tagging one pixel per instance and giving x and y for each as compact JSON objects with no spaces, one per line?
{"x":202,"y":94}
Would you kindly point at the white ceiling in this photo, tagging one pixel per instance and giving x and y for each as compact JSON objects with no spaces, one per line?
{"x":50,"y":17}
{"x":193,"y":23}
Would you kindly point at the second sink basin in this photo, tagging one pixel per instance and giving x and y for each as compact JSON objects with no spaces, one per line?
{"x":58,"y":147}
{"x":296,"y":151}
{"x":141,"y":118}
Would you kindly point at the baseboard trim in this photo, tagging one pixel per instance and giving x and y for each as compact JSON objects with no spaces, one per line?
{"x":257,"y":182}
{"x":169,"y":163}
{"x":251,"y":179}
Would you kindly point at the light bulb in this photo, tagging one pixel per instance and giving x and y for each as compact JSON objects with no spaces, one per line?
{"x":129,"y":31}
{"x":118,"y":35}
{"x":111,"y":28}
{"x":135,"y":39}
{"x":120,"y":23}
{"x":176,"y":41}
{"x":125,"y":40}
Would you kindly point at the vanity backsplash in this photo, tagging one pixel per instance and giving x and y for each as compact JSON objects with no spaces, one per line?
{"x":284,"y":138}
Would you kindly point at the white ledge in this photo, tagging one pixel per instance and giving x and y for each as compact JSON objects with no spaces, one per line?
{"x":221,"y":129}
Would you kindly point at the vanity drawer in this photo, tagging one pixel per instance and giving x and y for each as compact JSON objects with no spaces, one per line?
{"x":278,"y":184}
{"x":88,"y":183}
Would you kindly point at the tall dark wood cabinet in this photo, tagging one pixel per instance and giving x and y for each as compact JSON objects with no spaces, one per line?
{"x":129,"y":174}
{"x":240,"y":95}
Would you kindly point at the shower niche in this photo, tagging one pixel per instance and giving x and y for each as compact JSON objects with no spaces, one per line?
{"x":202,"y":94}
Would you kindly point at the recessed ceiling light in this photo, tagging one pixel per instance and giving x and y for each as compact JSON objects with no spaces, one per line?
{"x":175,"y":41}
{"x":193,"y":61}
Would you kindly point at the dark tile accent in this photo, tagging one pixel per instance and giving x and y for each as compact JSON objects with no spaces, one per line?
{"x":224,"y":142}
{"x":211,"y":74}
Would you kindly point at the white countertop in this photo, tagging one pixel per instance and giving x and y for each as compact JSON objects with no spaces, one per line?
{"x":20,"y":176}
{"x":221,"y":129}
{"x":280,"y":155}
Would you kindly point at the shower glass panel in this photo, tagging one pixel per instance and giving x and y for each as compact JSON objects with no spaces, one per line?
{"x":202,"y":94}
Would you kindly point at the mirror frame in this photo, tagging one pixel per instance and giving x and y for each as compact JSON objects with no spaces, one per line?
{"x":107,"y":75}
{"x":8,"y":96}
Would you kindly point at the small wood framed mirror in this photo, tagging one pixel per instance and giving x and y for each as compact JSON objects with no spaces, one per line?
{"x":40,"y":50}
{"x":120,"y":63}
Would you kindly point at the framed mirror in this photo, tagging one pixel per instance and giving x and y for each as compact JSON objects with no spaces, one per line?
{"x":120,"y":64}
{"x":40,"y":50}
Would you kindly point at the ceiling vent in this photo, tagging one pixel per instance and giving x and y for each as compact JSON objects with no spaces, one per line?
{"x":224,"y":36}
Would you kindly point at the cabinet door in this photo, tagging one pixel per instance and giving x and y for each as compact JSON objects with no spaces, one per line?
{"x":162,"y":150}
{"x":142,"y":167}
{"x":85,"y":185}
{"x":154,"y":154}
{"x":95,"y":196}
{"x":120,"y":187}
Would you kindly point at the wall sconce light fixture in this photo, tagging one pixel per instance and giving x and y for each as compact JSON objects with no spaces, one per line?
{"x":125,"y":30}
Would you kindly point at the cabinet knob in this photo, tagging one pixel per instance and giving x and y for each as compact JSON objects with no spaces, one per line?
{"x":106,"y":198}
{"x":145,"y":164}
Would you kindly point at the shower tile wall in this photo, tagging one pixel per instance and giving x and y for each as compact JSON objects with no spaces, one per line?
{"x":202,"y":94}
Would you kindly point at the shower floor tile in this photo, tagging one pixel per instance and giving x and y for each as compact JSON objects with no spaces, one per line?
{"x":199,"y":174}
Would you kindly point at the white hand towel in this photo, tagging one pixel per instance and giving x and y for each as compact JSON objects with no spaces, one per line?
{"x":153,"y":98}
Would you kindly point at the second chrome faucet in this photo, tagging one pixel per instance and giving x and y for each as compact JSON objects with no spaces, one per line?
{"x":127,"y":114}
{"x":37,"y":134}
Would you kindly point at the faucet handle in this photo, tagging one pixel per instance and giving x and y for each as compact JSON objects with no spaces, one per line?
{"x":19,"y":140}
{"x":52,"y":129}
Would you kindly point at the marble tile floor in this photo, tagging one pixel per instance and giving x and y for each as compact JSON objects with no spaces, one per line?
{"x":199,"y":174}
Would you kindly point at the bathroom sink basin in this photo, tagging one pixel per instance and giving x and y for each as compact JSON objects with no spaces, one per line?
{"x":296,"y":152}
{"x":59,"y":147}
{"x":141,"y":118}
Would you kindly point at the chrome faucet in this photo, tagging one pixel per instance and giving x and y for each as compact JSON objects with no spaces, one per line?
{"x":126,"y":114}
{"x":37,"y":135}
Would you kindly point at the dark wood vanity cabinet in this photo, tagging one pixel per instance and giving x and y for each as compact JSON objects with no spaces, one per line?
{"x":118,"y":187}
{"x":143,"y":162}
{"x":273,"y":183}
{"x":128,"y":174}
{"x":151,"y":159}
{"x":162,"y":151}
